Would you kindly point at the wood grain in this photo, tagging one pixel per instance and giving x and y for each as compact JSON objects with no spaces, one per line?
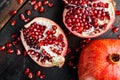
{"x":6,"y":6}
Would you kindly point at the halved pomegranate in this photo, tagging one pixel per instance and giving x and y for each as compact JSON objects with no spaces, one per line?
{"x":100,"y":60}
{"x":89,"y":18}
{"x":45,"y":42}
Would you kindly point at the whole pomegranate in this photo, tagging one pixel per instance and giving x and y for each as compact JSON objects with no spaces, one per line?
{"x":100,"y":60}
{"x":88,"y":18}
{"x":45,"y":42}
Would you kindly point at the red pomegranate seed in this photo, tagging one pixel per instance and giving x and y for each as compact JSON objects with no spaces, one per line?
{"x":27,"y":71}
{"x":18,"y":52}
{"x":8,"y":44}
{"x":10,"y":51}
{"x":68,"y":50}
{"x":13,"y":12}
{"x":50,"y":4}
{"x":30,"y":75}
{"x":38,"y":73}
{"x":117,"y":12}
{"x":18,"y":39}
{"x":42,"y":76}
{"x":70,"y":63}
{"x":41,"y":9}
{"x":22,"y":17}
{"x":26,"y":20}
{"x":20,"y":1}
{"x":14,"y":36}
{"x":33,"y":2}
{"x":39,"y":3}
{"x":2,"y":48}
{"x":115,"y":29}
{"x":14,"y":42}
{"x":13,"y":22}
{"x":28,"y":12}
{"x":45,"y":2}
{"x":35,"y":6}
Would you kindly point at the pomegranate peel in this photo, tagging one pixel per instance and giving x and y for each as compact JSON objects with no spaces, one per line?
{"x":100,"y":60}
{"x":89,"y":19}
{"x":50,"y":47}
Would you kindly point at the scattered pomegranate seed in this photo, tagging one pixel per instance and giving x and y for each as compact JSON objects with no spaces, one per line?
{"x":18,"y":39}
{"x":20,"y":1}
{"x":38,"y":73}
{"x":2,"y":48}
{"x":8,"y":44}
{"x":13,"y":36}
{"x":22,"y":17}
{"x":13,"y":22}
{"x":35,"y":6}
{"x":117,"y":12}
{"x":70,"y":63}
{"x":41,"y":9}
{"x":45,"y":2}
{"x":28,"y":12}
{"x":115,"y":29}
{"x":39,"y":3}
{"x":30,"y":75}
{"x":10,"y":51}
{"x":13,"y":12}
{"x":14,"y":42}
{"x":42,"y":76}
{"x":18,"y":52}
{"x":27,"y":71}
{"x":50,"y":4}
{"x":77,"y":49}
{"x":26,"y":20}
{"x":68,"y":50}
{"x":33,"y":2}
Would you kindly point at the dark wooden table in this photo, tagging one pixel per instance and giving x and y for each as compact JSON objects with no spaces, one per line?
{"x":12,"y":66}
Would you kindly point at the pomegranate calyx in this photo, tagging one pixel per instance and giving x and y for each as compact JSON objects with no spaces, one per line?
{"x":114,"y":58}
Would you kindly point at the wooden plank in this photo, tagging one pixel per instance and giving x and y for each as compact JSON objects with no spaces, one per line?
{"x":6,"y":6}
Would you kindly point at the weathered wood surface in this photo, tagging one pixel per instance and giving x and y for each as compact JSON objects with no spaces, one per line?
{"x":6,"y":6}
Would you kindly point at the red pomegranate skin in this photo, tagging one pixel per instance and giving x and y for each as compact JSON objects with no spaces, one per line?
{"x":94,"y":62}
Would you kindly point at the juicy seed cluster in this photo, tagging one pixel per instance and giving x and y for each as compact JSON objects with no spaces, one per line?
{"x":87,"y":16}
{"x":44,"y":40}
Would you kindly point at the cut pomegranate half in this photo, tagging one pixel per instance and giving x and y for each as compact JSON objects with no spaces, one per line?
{"x":89,"y":18}
{"x":45,"y":42}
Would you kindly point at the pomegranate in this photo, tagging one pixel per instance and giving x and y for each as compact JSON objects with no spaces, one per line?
{"x":100,"y":60}
{"x":45,"y":42}
{"x":88,"y":18}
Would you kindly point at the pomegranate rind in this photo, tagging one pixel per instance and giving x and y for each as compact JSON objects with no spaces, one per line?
{"x":94,"y":63}
{"x":109,"y":25}
{"x":57,"y":61}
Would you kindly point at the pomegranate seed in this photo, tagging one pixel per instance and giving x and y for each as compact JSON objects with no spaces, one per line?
{"x":38,"y":73}
{"x":42,"y":76}
{"x":33,"y":2}
{"x":18,"y":52}
{"x":26,"y":20}
{"x":8,"y":44}
{"x":27,"y":71}
{"x":20,"y":1}
{"x":41,"y":9}
{"x":22,"y":17}
{"x":14,"y":42}
{"x":70,"y":63}
{"x":18,"y":39}
{"x":13,"y":12}
{"x":45,"y":2}
{"x":115,"y":29}
{"x":39,"y":3}
{"x":35,"y":6}
{"x":50,"y":4}
{"x":10,"y":51}
{"x":117,"y":12}
{"x":13,"y":22}
{"x":28,"y":12}
{"x":13,"y":36}
{"x":30,"y":75}
{"x":68,"y":50}
{"x":2,"y":48}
